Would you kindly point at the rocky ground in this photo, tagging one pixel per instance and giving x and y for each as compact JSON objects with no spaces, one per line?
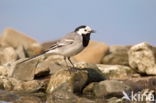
{"x":102,"y":73}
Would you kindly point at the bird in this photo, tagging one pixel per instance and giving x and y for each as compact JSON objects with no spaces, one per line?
{"x":69,"y":45}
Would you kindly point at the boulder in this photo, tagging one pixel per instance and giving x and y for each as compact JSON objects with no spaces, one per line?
{"x":154,"y":49}
{"x":21,"y":52}
{"x":140,"y":83}
{"x":18,"y":85}
{"x":117,"y":55}
{"x":63,"y":96}
{"x":142,"y":58}
{"x":28,"y":99}
{"x":0,"y":39}
{"x":94,"y":73}
{"x":75,"y":80}
{"x":15,"y":39}
{"x":52,"y":64}
{"x":7,"y":55}
{"x":117,"y":100}
{"x":4,"y":71}
{"x":93,"y":53}
{"x":67,"y":84}
{"x":116,"y":71}
{"x":24,"y":70}
{"x":107,"y":88}
{"x":20,"y":97}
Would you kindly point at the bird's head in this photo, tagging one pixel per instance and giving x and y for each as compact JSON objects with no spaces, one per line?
{"x":84,"y":30}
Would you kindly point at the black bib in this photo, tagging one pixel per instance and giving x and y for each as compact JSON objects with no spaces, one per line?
{"x":86,"y":39}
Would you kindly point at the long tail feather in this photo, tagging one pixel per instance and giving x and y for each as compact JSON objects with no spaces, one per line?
{"x":32,"y":57}
{"x":44,"y":52}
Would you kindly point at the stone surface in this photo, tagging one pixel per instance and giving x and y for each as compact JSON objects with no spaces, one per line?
{"x":52,"y":63}
{"x":62,"y":95}
{"x":94,"y":73}
{"x":28,"y":99}
{"x":7,"y":55}
{"x":18,"y":85}
{"x":20,"y":97}
{"x":4,"y":71}
{"x":74,"y":79}
{"x":25,"y":70}
{"x":107,"y":88}
{"x":117,"y":100}
{"x":117,"y":55}
{"x":142,"y":59}
{"x":140,"y":83}
{"x":20,"y":52}
{"x":15,"y":39}
{"x":116,"y":71}
{"x":154,"y":50}
{"x":93,"y":53}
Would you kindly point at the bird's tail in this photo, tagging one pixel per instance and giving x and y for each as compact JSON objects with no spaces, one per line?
{"x":32,"y":57}
{"x":43,"y":53}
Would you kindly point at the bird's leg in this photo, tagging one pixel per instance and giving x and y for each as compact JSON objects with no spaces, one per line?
{"x":70,"y":61}
{"x":73,"y":67}
{"x":66,"y":63}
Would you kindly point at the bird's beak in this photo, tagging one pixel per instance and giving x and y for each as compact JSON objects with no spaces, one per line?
{"x":93,"y":31}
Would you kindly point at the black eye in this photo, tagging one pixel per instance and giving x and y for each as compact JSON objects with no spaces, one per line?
{"x":85,"y":30}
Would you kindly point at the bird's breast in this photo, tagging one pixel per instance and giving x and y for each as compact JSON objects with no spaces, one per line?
{"x":85,"y":39}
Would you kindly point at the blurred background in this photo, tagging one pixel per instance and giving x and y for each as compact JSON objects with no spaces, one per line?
{"x":119,"y":22}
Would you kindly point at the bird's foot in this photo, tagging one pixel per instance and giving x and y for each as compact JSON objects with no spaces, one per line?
{"x":72,"y":69}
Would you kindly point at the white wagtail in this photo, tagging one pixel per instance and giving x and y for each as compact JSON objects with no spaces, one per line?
{"x":71,"y":44}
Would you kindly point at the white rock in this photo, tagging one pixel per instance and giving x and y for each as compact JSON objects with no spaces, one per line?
{"x":142,"y":59}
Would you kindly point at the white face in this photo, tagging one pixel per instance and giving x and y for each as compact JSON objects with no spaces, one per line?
{"x":85,"y":30}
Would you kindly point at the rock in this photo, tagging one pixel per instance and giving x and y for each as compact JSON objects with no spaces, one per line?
{"x":116,"y":71}
{"x":29,"y":86}
{"x":28,"y":99}
{"x":4,"y":71}
{"x":63,"y":96}
{"x":93,"y":53}
{"x":6,"y":97}
{"x":15,"y":39}
{"x":117,"y":100}
{"x":20,"y":52}
{"x":142,"y":59}
{"x":7,"y":55}
{"x":20,"y":97}
{"x":75,"y":80}
{"x":18,"y":85}
{"x":0,"y":40}
{"x":154,"y":49}
{"x":140,"y":83}
{"x":94,"y":73}
{"x":117,"y":55}
{"x":107,"y":88}
{"x":25,"y":70}
{"x":52,"y":63}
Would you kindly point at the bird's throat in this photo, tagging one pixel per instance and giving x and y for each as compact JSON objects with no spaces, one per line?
{"x":86,"y":38}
